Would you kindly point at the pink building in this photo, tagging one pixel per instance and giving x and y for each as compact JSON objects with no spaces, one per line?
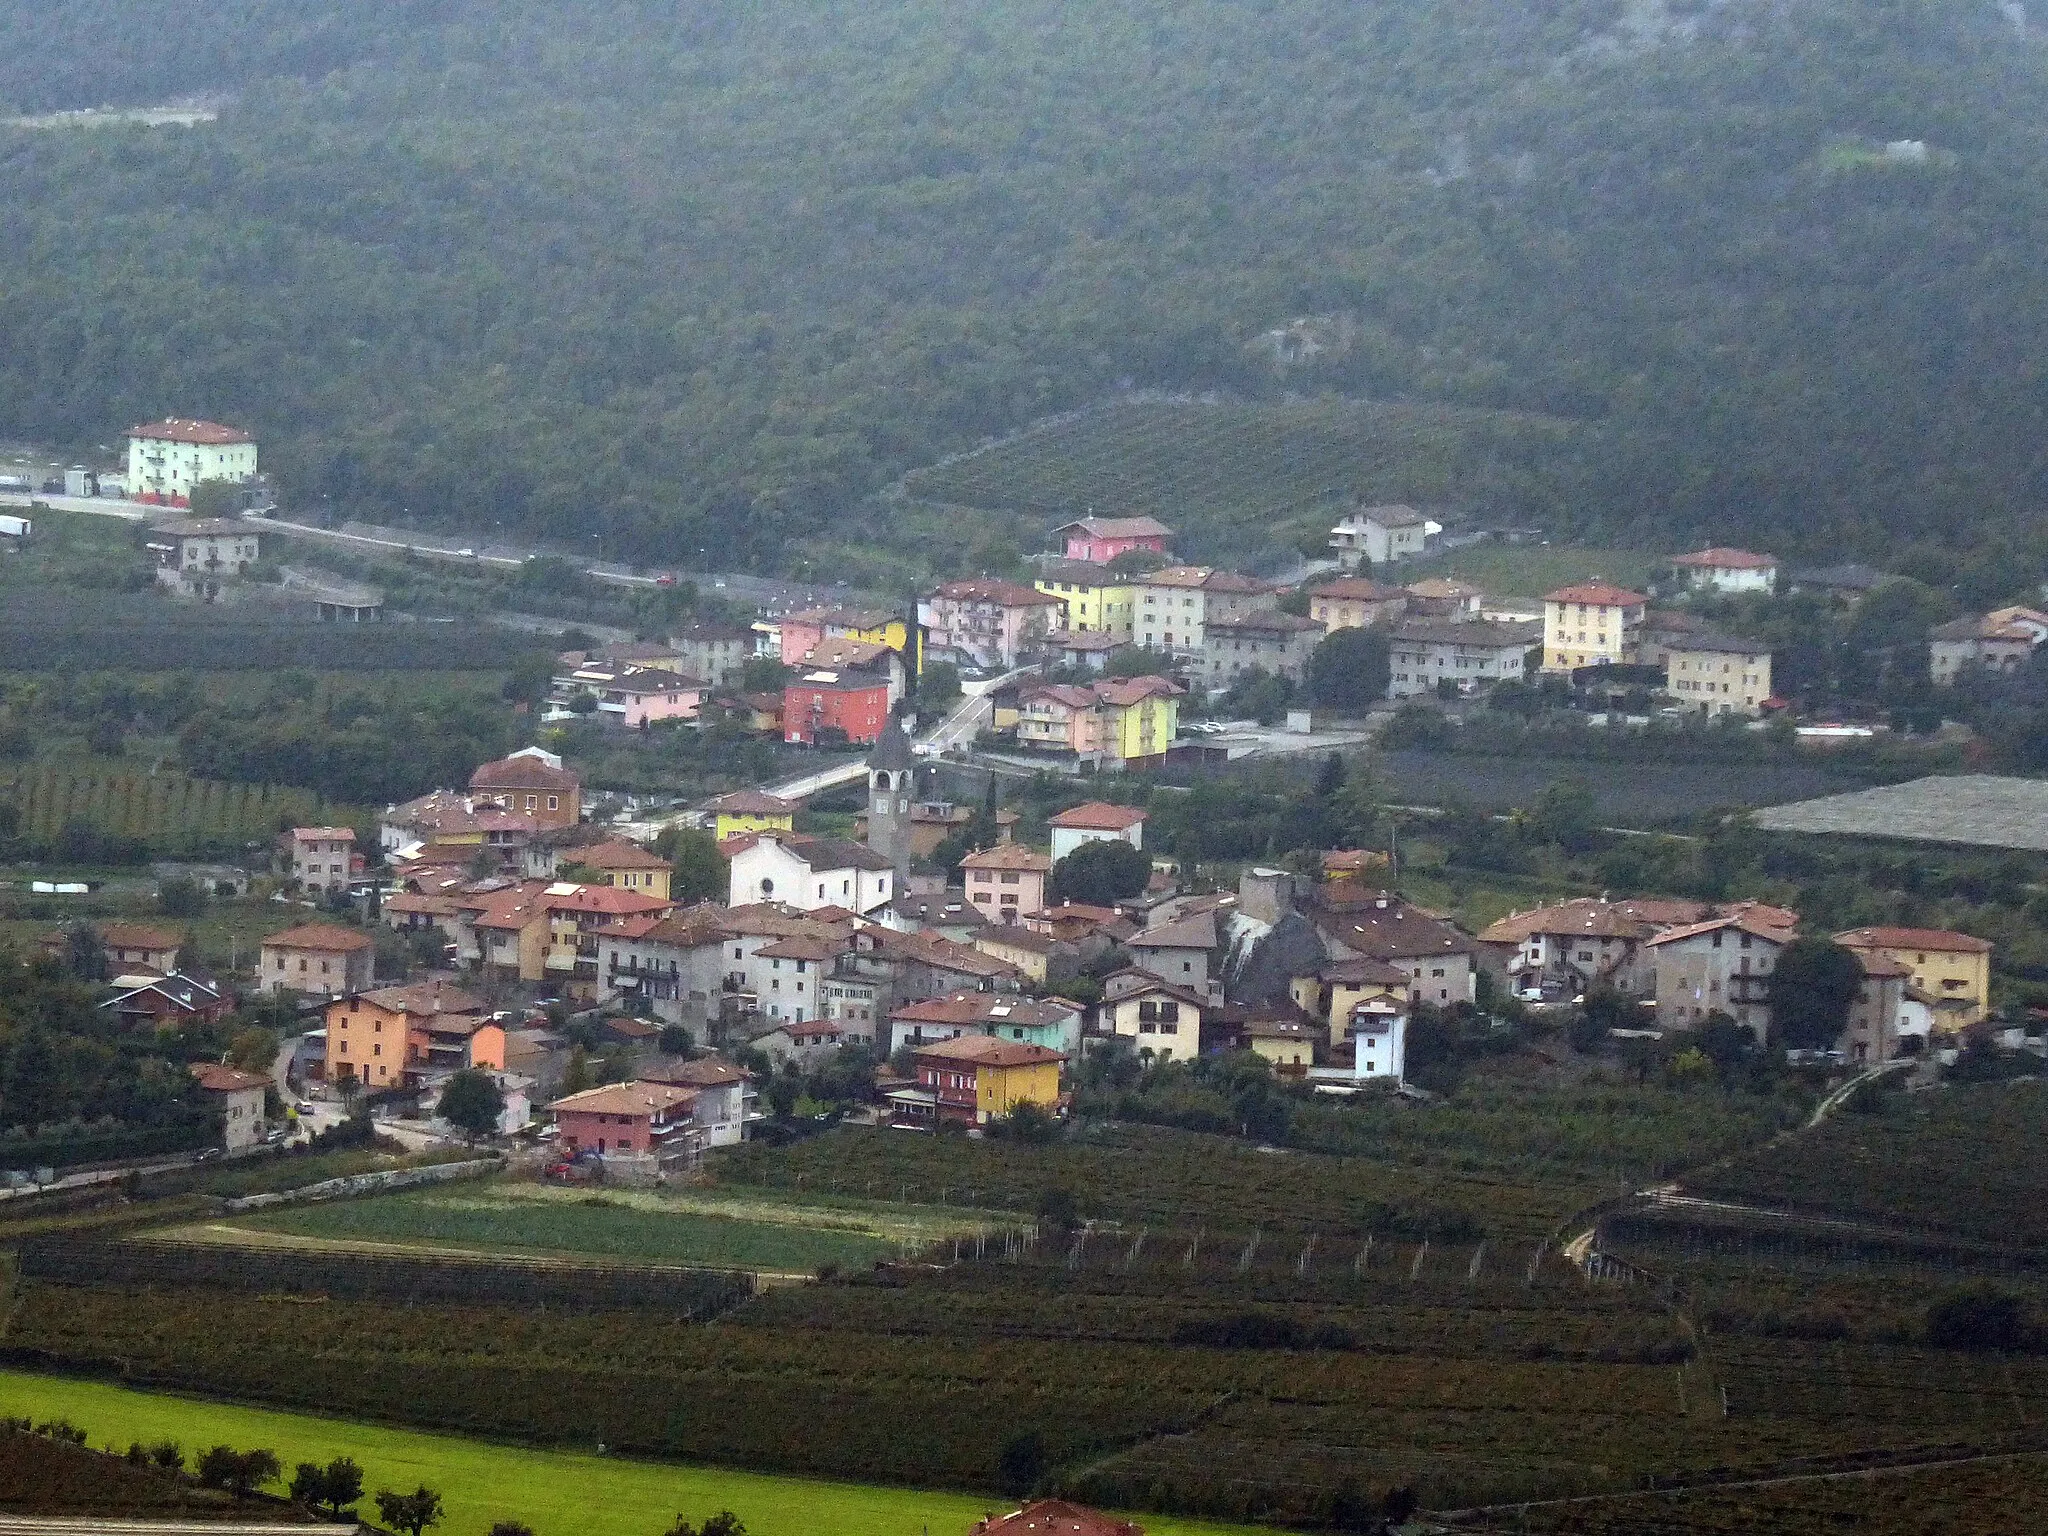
{"x":986,"y":623}
{"x":1007,"y":882}
{"x":1101,"y":539}
{"x":642,"y":695}
{"x":634,"y":1119}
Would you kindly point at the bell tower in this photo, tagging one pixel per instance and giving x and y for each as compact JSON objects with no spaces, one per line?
{"x":892,"y":776}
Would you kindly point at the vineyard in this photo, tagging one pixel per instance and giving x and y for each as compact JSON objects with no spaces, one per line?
{"x":48,"y":1476}
{"x":1909,"y":1164}
{"x":1235,"y":478}
{"x":1146,"y":1175}
{"x":173,"y":814}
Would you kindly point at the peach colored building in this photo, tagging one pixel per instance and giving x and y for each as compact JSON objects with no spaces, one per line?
{"x":1007,"y":882}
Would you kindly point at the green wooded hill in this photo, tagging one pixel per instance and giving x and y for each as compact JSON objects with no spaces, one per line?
{"x":705,"y":277}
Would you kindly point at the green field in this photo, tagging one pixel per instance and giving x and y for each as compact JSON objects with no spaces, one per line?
{"x":508,"y":1217}
{"x":557,"y":1493}
{"x":1236,"y":479}
{"x":1530,"y":570}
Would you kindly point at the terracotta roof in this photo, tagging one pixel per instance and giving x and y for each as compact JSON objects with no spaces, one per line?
{"x":941,"y":953}
{"x":1271,"y":621}
{"x":842,"y":652}
{"x":1878,"y":963}
{"x":691,"y":929}
{"x":1361,"y":589}
{"x":422,"y":1000}
{"x":1008,"y":856}
{"x":620,"y":854}
{"x":989,"y":1051}
{"x":704,"y":1072}
{"x":1393,"y":931}
{"x":1722,"y":559}
{"x":802,"y":947}
{"x":1742,"y":921}
{"x":215,"y":1078}
{"x":320,"y":936}
{"x":1099,"y":816}
{"x":1119,"y":527}
{"x":985,"y":1008}
{"x":604,"y":900}
{"x":1123,"y":692}
{"x":137,"y":936}
{"x":750,"y":802}
{"x":1603,"y":593}
{"x":1584,"y":918}
{"x":1437,"y":588}
{"x":522,"y":773}
{"x":634,"y":1098}
{"x":328,"y":834}
{"x":1073,"y":695}
{"x":1940,"y":939}
{"x":210,"y":434}
{"x":1055,"y":1517}
{"x":1197,"y":931}
{"x":1179,"y":577}
{"x":1005,"y":594}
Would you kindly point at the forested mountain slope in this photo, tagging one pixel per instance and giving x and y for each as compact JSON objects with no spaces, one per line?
{"x":707,"y":275}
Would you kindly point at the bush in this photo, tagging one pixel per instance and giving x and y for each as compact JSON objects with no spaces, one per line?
{"x":1981,"y":1319}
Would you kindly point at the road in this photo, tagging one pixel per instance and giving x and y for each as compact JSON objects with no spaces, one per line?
{"x":775,"y":596}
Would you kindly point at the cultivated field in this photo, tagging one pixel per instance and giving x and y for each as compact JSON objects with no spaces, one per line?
{"x":507,"y":1216}
{"x":1237,"y":480}
{"x":558,"y":1493}
{"x":1979,"y":809}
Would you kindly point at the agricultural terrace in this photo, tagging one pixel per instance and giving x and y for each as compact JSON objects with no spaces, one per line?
{"x":1530,"y":570}
{"x":556,"y":1493}
{"x":1971,"y":1162}
{"x":508,"y":1216}
{"x":1241,"y":480}
{"x":173,"y":814}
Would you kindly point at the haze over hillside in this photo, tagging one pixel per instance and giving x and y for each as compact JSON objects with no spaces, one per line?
{"x":707,"y":277}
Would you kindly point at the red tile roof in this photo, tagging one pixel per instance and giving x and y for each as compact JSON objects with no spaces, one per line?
{"x":1099,"y":816}
{"x":208,"y":433}
{"x":1600,"y":593}
{"x":638,"y":1099}
{"x":1005,"y":594}
{"x":988,"y":1051}
{"x":522,"y":773}
{"x":1008,"y":856}
{"x":215,"y":1078}
{"x":620,"y":854}
{"x":319,"y":936}
{"x":1055,"y":1517}
{"x":1119,"y":527}
{"x":136,"y":936}
{"x":1356,"y":589}
{"x":1723,"y":559}
{"x":1940,"y":939}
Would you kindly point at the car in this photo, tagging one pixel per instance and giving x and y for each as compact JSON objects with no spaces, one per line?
{"x":665,"y":581}
{"x":210,"y":1154}
{"x":467,"y":554}
{"x":277,"y":1138}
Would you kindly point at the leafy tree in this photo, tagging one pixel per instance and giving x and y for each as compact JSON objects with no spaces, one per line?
{"x":510,"y":1528}
{"x":674,"y":1040}
{"x":239,"y":1472}
{"x":1101,"y":873}
{"x":1605,"y":1009}
{"x":409,"y":1512}
{"x":1982,"y":1319}
{"x":576,"y":1075}
{"x":724,"y":1523}
{"x":699,"y":868}
{"x":473,"y":1103}
{"x":763,"y":674}
{"x":180,"y":896}
{"x":1812,"y":986}
{"x":1566,"y":814}
{"x":85,"y":955}
{"x":1022,"y":1463}
{"x":343,"y":1485}
{"x":168,"y":1455}
{"x":1350,"y":669}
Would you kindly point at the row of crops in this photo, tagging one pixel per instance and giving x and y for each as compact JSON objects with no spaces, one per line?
{"x":1225,"y":473}
{"x":173,"y":814}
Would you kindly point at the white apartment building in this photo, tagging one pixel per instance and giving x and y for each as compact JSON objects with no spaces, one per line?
{"x":166,"y":459}
{"x":1423,"y":653}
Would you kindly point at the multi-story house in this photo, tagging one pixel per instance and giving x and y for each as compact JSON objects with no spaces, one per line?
{"x":322,"y":858}
{"x":1006,"y":882}
{"x":1594,"y":623}
{"x":196,"y":556}
{"x":1718,"y":675}
{"x":725,"y":1099}
{"x":1720,"y":965}
{"x":676,"y":961}
{"x":1443,"y":597}
{"x":629,"y":867}
{"x":978,"y":1078}
{"x":838,"y":706}
{"x":746,"y":810}
{"x":534,"y":782}
{"x":397,"y":1037}
{"x":804,"y":639}
{"x":1169,"y":608}
{"x":1727,"y":570}
{"x":237,"y":1097}
{"x":1377,"y":536}
{"x":1052,"y":1023}
{"x":322,"y":958}
{"x":1093,"y":600}
{"x":2000,"y":641}
{"x":807,"y":873}
{"x":1180,"y":950}
{"x":1354,"y":602}
{"x":1117,"y":722}
{"x":987,"y":622}
{"x":167,"y":459}
{"x":1954,"y":969}
{"x":1437,"y":957}
{"x":1161,"y":1019}
{"x":1100,"y":540}
{"x":1425,"y":654}
{"x":1096,"y":821}
{"x":1278,"y":644}
{"x":717,"y":652}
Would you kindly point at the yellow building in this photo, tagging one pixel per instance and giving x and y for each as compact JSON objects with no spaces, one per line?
{"x":1952,"y":968}
{"x":1717,"y":675}
{"x":979,"y":1078}
{"x":1092,"y":599}
{"x":1288,"y":1044}
{"x":1144,"y":717}
{"x":748,"y":810}
{"x":629,"y":867}
{"x":167,"y":459}
{"x":1592,"y":624}
{"x":1354,"y":602}
{"x":1162,"y":1022}
{"x":1334,"y":994}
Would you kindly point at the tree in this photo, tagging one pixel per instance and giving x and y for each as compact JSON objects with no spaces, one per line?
{"x":576,"y":1075}
{"x":409,"y":1512}
{"x":239,"y":1472}
{"x":1811,"y":988}
{"x":343,"y":1484}
{"x":309,"y":1484}
{"x":84,"y":955}
{"x":1565,"y":813}
{"x":510,"y":1528}
{"x":674,"y":1040}
{"x":763,"y":674}
{"x":1981,"y":1319}
{"x":1022,"y":1463}
{"x":1350,"y":669}
{"x":180,"y":896}
{"x":700,"y":872}
{"x":1101,"y":873}
{"x":724,"y":1523}
{"x":473,"y":1103}
{"x":1604,"y":1010}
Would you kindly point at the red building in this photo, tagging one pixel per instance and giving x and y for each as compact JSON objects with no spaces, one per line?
{"x":635,"y":1119}
{"x":1055,"y":1517}
{"x":825,"y":704}
{"x":1100,"y":540}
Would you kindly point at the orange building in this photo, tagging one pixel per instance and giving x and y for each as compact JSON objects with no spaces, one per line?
{"x":534,"y":783}
{"x":393,"y":1037}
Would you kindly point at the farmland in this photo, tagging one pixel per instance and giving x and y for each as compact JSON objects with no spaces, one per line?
{"x":1530,"y":570}
{"x":558,"y":1493}
{"x":1978,"y":809}
{"x":508,"y":1217}
{"x":174,"y":814}
{"x":1240,"y":481}
{"x":49,"y":1476}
